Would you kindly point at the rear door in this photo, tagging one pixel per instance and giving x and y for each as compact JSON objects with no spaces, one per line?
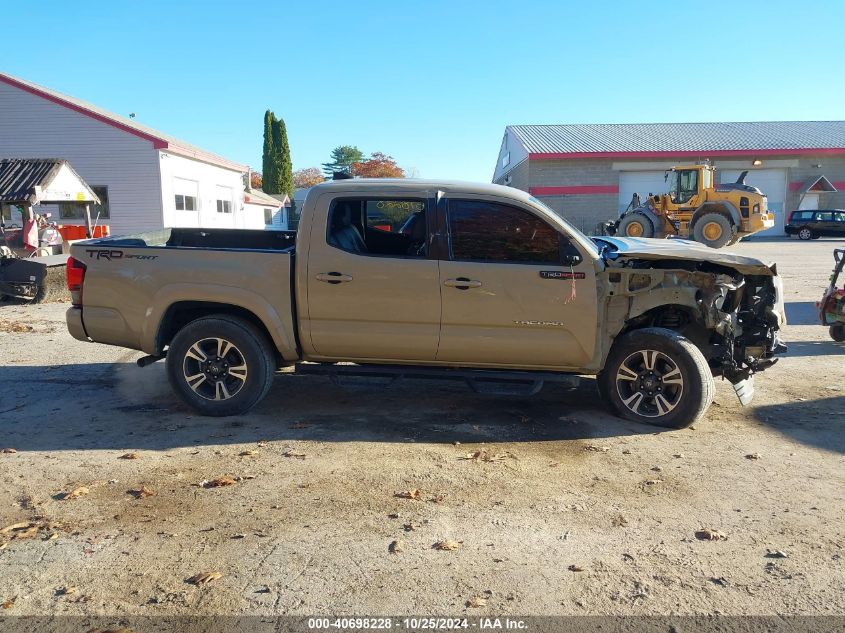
{"x":373,"y":292}
{"x":823,"y":224}
{"x":508,"y":298}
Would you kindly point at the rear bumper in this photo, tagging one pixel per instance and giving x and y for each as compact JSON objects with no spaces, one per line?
{"x":73,"y":317}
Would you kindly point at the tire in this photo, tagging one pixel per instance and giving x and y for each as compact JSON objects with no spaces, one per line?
{"x":40,"y":292}
{"x":713,"y":230}
{"x":805,"y":234}
{"x":210,"y":349}
{"x":636,"y":373}
{"x":837,"y":332}
{"x":635,"y":225}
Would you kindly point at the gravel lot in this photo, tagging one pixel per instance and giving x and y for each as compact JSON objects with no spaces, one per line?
{"x":575,"y":513}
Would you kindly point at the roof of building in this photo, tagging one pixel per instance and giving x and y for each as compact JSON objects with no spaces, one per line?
{"x":159,"y":140}
{"x":28,"y":181}
{"x":257,"y":196}
{"x":673,"y":139}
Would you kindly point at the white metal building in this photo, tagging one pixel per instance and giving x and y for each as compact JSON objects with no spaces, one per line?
{"x":146,"y":179}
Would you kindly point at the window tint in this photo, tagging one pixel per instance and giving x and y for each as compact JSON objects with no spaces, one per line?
{"x":839,"y":216}
{"x":388,"y":227}
{"x":824,"y":216}
{"x":487,"y":231}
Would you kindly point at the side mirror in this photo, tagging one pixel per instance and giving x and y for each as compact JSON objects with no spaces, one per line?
{"x":569,"y":255}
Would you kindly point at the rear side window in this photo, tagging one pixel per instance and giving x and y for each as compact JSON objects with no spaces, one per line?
{"x":394,"y":227}
{"x":391,"y":215}
{"x":802,"y":215}
{"x":492,"y":232}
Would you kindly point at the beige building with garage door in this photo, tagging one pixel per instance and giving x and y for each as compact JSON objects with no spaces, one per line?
{"x":588,"y":173}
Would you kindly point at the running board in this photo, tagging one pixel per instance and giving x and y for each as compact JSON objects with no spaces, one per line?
{"x":483,"y":381}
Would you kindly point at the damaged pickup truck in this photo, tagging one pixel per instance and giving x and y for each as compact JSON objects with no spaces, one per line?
{"x":395,"y":278}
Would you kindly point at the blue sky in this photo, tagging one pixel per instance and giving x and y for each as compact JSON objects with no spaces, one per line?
{"x":432,"y":83}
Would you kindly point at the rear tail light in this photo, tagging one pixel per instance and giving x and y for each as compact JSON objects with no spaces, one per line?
{"x":75,"y":279}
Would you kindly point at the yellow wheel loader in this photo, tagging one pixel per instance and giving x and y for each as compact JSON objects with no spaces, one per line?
{"x":696,"y":209}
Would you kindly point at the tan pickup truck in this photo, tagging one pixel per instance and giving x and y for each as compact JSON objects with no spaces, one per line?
{"x":431,"y":279}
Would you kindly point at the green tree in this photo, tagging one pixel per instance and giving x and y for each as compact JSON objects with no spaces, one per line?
{"x":268,"y":165}
{"x":342,"y":158}
{"x":277,"y":169}
{"x":284,"y":175}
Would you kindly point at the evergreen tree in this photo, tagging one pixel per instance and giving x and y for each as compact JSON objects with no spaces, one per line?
{"x":342,"y":159}
{"x":267,"y":165}
{"x":283,"y":165}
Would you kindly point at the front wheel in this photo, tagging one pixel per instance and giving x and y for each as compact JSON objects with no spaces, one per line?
{"x":805,"y":234}
{"x":658,"y":377}
{"x":714,"y":230}
{"x":220,"y":365}
{"x":635,"y":225}
{"x":837,"y":332}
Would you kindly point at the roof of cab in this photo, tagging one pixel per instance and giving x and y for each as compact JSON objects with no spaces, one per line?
{"x":447,"y":186}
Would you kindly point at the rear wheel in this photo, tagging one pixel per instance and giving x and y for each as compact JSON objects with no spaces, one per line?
{"x":714,"y":230}
{"x":635,"y":225}
{"x":837,"y":332}
{"x":805,"y":234}
{"x":220,"y":365}
{"x":658,"y":377}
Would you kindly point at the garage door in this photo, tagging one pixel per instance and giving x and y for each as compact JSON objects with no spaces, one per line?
{"x":641,"y":182}
{"x":771,"y":182}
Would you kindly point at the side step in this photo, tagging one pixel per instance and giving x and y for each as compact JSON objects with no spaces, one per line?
{"x":484,"y":381}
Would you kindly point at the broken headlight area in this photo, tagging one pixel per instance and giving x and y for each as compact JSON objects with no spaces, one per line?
{"x":752,"y":341}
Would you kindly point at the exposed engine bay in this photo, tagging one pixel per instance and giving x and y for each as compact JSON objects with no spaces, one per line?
{"x":731,"y":310}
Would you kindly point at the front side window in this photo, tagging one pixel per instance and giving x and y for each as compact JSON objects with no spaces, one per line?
{"x":688,"y":185}
{"x":396,"y":227}
{"x":493,"y":232}
{"x":825,"y":216}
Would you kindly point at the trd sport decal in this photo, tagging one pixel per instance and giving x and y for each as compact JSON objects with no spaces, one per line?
{"x":111,"y":255}
{"x":559,"y":274}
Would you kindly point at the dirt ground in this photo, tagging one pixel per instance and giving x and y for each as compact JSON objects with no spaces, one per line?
{"x":576,"y":512}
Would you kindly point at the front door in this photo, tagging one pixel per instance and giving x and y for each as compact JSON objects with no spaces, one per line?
{"x":508,"y":299}
{"x":373,"y":290}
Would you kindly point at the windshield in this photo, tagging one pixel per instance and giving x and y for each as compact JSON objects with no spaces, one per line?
{"x":582,"y":239}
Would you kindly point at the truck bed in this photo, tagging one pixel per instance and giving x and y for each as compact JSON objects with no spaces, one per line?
{"x":134,"y":284}
{"x":229,"y":239}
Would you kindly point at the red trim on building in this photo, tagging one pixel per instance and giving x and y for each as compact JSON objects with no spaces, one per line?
{"x":581,"y":190}
{"x":158,"y":143}
{"x":687,"y":153}
{"x":798,"y":185}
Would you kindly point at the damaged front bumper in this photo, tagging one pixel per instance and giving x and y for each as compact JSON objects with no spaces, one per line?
{"x":753,"y":331}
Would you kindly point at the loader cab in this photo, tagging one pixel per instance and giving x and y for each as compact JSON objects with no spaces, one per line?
{"x":683,"y":184}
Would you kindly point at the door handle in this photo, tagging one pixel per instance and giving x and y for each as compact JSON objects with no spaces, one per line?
{"x":462,"y":283}
{"x":333,"y":277}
